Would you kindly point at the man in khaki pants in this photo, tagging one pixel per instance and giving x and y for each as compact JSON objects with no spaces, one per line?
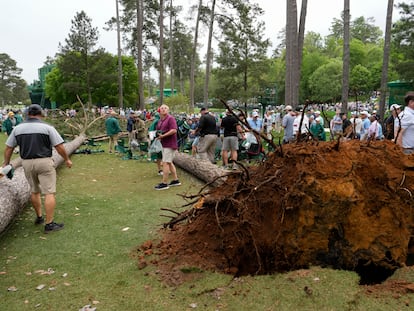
{"x":36,"y":140}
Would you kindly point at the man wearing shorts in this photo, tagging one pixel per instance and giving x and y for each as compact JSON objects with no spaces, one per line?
{"x":167,"y":133}
{"x":231,"y":127}
{"x":36,"y":140}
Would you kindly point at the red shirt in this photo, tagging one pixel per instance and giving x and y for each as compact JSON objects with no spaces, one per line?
{"x":164,"y":126}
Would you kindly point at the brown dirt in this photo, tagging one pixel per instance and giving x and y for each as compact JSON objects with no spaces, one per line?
{"x":308,"y":204}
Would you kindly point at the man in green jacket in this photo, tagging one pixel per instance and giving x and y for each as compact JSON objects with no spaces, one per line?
{"x":10,"y":123}
{"x":112,"y":130}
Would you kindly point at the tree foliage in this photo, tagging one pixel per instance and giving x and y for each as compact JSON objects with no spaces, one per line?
{"x":242,"y":52}
{"x":13,"y":88}
{"x":403,"y":40}
{"x":65,"y":81}
{"x":325,"y":82}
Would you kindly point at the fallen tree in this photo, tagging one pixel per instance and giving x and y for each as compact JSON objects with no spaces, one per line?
{"x":202,"y":169}
{"x":347,"y":206}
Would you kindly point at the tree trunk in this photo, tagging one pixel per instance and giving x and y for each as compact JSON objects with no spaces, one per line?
{"x":346,"y":59}
{"x":301,"y":36}
{"x":202,"y":169}
{"x":161,"y":69}
{"x":118,"y":34}
{"x":171,"y":48}
{"x":387,"y":47}
{"x":209,"y":53}
{"x":193,"y":57}
{"x":291,"y":51}
{"x":15,"y":192}
{"x":140,"y":17}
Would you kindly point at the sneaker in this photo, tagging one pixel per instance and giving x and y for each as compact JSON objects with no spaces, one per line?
{"x":175,"y":183}
{"x":161,"y":186}
{"x":39,"y":220}
{"x":53,"y":226}
{"x":160,"y":173}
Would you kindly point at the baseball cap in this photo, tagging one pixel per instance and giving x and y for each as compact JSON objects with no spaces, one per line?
{"x":288,"y":107}
{"x":34,"y":110}
{"x":11,"y":113}
{"x":395,"y":106}
{"x":365,"y":112}
{"x":317,"y":112}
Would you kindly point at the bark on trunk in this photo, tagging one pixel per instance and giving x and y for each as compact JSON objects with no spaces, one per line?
{"x":202,"y":169}
{"x":15,"y":192}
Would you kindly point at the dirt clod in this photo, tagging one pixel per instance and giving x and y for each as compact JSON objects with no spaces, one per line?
{"x":308,"y":204}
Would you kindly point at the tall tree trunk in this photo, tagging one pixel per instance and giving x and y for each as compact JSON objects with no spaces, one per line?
{"x":193,"y":56}
{"x":291,"y":51}
{"x":209,"y":53}
{"x":171,"y":49}
{"x":88,"y":81}
{"x":386,"y":57}
{"x":140,"y":23}
{"x":346,"y":59}
{"x":301,"y":37}
{"x":118,"y":32}
{"x":202,"y":169}
{"x":161,"y":68}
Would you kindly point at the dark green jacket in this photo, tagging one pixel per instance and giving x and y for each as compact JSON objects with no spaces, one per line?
{"x":8,"y":125}
{"x":112,"y":126}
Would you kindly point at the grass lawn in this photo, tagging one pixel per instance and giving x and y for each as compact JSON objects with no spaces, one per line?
{"x":109,"y":208}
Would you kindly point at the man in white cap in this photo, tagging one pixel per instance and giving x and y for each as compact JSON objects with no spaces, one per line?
{"x":406,"y":136}
{"x":287,"y":124}
{"x":395,"y":110}
{"x":366,"y":123}
{"x":318,"y":114}
{"x":255,"y":122}
{"x":356,"y":125}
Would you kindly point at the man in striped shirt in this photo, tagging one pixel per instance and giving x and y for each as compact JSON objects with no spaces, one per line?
{"x":36,"y":139}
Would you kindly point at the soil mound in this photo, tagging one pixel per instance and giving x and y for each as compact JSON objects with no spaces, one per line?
{"x":347,"y":206}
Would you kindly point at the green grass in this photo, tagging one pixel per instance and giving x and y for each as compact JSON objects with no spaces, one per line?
{"x":98,"y":198}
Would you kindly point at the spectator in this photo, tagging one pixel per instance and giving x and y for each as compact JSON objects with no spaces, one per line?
{"x":11,"y":122}
{"x":112,"y":130}
{"x":232,"y":128}
{"x":131,"y":126}
{"x":255,"y":122}
{"x":365,"y":125}
{"x":318,"y":114}
{"x":375,"y":129}
{"x":395,"y":110}
{"x":337,"y":124}
{"x":36,"y":140}
{"x":298,"y":128}
{"x":406,"y":136}
{"x":167,"y":133}
{"x":152,"y":131}
{"x":318,"y":130}
{"x":346,"y":126}
{"x":207,"y":128}
{"x":287,"y":124}
{"x":356,"y":125}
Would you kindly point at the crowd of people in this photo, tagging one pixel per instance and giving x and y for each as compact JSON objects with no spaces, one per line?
{"x":205,"y":134}
{"x":213,"y":136}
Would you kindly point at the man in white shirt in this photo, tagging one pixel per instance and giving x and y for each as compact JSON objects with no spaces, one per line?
{"x":406,"y":135}
{"x":304,"y":129}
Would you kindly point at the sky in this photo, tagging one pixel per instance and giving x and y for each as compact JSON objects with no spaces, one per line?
{"x":30,"y":30}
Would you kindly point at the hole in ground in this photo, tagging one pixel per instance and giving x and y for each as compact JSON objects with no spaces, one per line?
{"x":410,"y":254}
{"x":372,"y":274}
